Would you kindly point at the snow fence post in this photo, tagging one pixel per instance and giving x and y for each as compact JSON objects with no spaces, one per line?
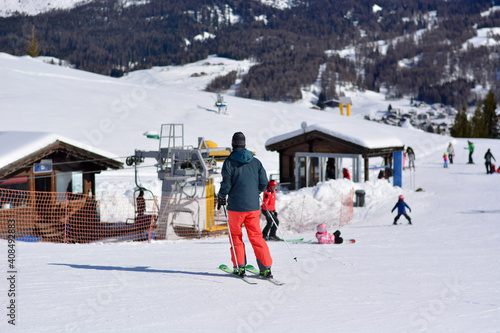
{"x":398,"y":168}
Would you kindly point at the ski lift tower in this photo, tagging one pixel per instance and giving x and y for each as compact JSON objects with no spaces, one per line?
{"x":178,"y":165}
{"x":221,"y":104}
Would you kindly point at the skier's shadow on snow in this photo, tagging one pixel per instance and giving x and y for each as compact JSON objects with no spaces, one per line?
{"x":144,"y":269}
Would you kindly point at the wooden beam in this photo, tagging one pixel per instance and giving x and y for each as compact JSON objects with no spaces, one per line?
{"x":367,"y":170}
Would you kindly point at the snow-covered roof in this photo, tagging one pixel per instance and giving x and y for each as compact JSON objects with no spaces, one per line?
{"x":358,"y":131}
{"x":15,"y":145}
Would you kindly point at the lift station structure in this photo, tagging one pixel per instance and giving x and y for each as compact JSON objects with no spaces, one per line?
{"x":187,"y":174}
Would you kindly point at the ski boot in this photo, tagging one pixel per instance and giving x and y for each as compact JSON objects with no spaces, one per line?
{"x":267,"y":274}
{"x":240,"y":271}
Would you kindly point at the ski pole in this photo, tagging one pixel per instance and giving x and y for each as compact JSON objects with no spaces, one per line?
{"x":277,"y":228}
{"x":231,"y":237}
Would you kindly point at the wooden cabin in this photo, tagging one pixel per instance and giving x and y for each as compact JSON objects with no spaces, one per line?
{"x":320,"y":152}
{"x":33,"y":167}
{"x":37,"y":161}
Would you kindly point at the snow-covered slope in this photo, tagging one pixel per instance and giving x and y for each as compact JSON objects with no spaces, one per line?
{"x":438,"y":275}
{"x":112,"y":114}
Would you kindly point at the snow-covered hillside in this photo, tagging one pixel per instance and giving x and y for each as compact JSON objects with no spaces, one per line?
{"x":439,"y":275}
{"x":113,"y":114}
{"x":34,"y":7}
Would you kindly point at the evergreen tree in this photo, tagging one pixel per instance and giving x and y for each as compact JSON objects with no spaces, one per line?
{"x":462,"y":126}
{"x":489,"y":115}
{"x":479,"y":129}
{"x":32,"y":48}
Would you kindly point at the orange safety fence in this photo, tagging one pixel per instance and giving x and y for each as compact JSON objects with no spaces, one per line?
{"x":346,"y":208}
{"x":63,"y":217}
{"x":70,"y":218}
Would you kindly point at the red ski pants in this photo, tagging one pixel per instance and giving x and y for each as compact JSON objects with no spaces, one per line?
{"x":252,"y":224}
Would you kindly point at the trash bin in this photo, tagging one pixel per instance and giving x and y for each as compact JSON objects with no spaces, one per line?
{"x":360,"y":198}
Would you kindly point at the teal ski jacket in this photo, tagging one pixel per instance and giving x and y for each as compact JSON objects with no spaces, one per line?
{"x":243,"y":178}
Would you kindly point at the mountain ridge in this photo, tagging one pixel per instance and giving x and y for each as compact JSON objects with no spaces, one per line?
{"x":419,"y":50}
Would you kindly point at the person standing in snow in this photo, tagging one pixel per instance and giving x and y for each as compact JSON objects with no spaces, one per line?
{"x":141,"y":203}
{"x":451,"y":152}
{"x":487,"y":157}
{"x":141,"y":219}
{"x":401,"y":206}
{"x":445,"y":158}
{"x":268,"y":208}
{"x":471,"y":150}
{"x":326,"y":238}
{"x":411,"y":158}
{"x":243,"y":178}
{"x":346,"y":174}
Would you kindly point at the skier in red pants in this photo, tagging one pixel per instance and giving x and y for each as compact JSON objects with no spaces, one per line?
{"x":243,"y":177}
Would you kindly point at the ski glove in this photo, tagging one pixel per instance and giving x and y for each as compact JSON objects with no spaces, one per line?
{"x":220,"y":202}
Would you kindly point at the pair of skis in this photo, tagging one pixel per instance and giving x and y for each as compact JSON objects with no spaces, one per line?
{"x":301,"y":240}
{"x":253,"y":270}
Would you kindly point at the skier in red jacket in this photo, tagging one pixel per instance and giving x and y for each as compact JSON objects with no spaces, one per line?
{"x":268,"y":208}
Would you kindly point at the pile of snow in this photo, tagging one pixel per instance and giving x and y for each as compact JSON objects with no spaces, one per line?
{"x":304,"y":209}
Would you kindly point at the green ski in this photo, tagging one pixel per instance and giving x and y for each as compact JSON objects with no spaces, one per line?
{"x":230,"y":271}
{"x":253,"y":270}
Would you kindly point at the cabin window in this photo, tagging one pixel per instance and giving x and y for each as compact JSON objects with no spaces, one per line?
{"x":69,"y":182}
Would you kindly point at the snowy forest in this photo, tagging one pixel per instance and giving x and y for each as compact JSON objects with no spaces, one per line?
{"x":288,"y":45}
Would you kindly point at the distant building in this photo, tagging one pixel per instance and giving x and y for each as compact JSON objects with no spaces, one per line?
{"x":320,"y":151}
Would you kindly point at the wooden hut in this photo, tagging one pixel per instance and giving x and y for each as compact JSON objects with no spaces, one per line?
{"x":37,"y":161}
{"x":321,"y":151}
{"x":35,"y":165}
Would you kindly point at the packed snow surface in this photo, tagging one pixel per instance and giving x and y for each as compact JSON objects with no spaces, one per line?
{"x":440,"y":274}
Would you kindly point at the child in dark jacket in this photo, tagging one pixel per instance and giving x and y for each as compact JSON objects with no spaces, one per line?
{"x":401,"y":206}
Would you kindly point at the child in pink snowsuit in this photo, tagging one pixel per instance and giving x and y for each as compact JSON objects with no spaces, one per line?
{"x":326,"y":238}
{"x":445,"y":158}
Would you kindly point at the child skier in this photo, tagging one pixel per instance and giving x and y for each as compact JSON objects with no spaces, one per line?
{"x":445,"y":158}
{"x":268,"y":208}
{"x":326,"y":238}
{"x":401,"y":206}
